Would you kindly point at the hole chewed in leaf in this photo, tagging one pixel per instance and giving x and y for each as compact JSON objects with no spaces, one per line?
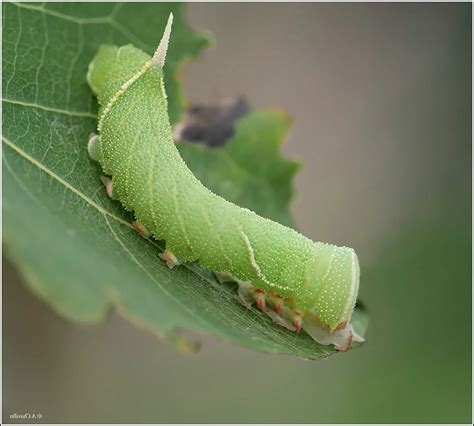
{"x":211,"y":125}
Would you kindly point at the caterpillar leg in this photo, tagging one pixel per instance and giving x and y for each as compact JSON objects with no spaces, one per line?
{"x":341,"y":338}
{"x":259,"y":296}
{"x":278,"y":319}
{"x":224,"y":277}
{"x":245,"y":294}
{"x":283,"y":313}
{"x":94,"y":151}
{"x":107,"y":182}
{"x":145,"y":233}
{"x":93,"y":147}
{"x":271,"y":304}
{"x":170,"y":259}
{"x":297,"y":320}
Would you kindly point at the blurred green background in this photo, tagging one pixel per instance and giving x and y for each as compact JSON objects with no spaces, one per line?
{"x":381,"y":100}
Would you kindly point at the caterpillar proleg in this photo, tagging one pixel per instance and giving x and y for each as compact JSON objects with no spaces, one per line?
{"x":299,"y":283}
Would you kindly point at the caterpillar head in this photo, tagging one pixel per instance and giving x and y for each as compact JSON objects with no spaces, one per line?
{"x":100,"y":67}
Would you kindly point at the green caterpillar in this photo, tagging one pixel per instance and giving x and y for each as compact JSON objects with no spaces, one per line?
{"x":297,"y":282}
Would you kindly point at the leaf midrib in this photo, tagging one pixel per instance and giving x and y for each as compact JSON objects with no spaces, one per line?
{"x":106,"y":214}
{"x":42,"y":167}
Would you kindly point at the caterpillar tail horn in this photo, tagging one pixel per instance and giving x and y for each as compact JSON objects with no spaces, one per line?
{"x":160,"y":55}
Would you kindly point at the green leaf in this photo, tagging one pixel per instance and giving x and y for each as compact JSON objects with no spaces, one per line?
{"x":75,"y":247}
{"x":47,"y":48}
{"x":249,"y":170}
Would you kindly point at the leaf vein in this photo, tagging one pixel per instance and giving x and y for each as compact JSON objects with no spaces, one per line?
{"x":94,"y":204}
{"x":63,"y":16}
{"x":50,"y":109}
{"x":144,"y":269}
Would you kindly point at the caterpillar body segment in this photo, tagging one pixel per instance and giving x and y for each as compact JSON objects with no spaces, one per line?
{"x":297,"y":282}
